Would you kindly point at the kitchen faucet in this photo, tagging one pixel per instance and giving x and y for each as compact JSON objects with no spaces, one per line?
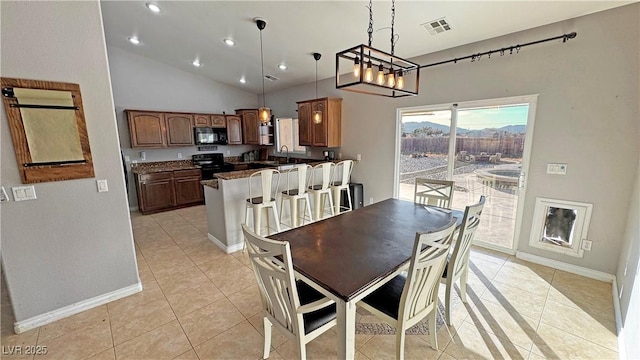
{"x":285,"y":147}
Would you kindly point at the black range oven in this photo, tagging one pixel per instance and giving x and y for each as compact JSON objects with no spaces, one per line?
{"x":210,"y":164}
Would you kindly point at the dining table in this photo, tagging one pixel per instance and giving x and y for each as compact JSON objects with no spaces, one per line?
{"x":348,"y":256}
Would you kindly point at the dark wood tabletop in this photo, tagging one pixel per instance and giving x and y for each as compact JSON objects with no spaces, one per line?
{"x":346,"y":253}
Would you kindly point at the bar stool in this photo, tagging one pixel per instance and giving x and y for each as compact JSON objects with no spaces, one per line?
{"x":263,"y":201}
{"x":320,"y":188}
{"x":296,"y":191}
{"x":341,"y":183}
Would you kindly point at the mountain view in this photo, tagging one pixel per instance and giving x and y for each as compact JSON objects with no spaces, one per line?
{"x":409,"y":127}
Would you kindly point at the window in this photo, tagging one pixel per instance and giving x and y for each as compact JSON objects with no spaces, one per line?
{"x":287,"y":135}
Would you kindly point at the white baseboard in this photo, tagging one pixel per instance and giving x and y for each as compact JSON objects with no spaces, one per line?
{"x":223,"y":247}
{"x":574,"y":269}
{"x":54,"y":315}
{"x":616,"y":310}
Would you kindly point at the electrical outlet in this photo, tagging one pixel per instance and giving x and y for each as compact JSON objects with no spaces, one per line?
{"x":102,"y":185}
{"x":228,"y":152}
{"x":143,"y":155}
{"x":370,"y":200}
{"x":179,"y":155}
{"x":359,"y":157}
{"x":586,"y":245}
{"x":557,"y":169}
{"x":127,"y":159}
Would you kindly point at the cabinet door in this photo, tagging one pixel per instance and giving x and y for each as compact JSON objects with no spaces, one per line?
{"x":250,"y":126}
{"x":188,"y":187}
{"x":320,"y":130}
{"x":234,"y":129}
{"x":156,"y":192}
{"x":218,"y":121}
{"x":179,"y":129}
{"x":202,"y":120}
{"x":147,"y":129}
{"x":305,"y":124}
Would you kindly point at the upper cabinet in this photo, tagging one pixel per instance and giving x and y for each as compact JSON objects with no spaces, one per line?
{"x":250,"y":125}
{"x":202,"y":120}
{"x":179,"y":129}
{"x":234,"y":129}
{"x":218,"y":121}
{"x":328,"y":133}
{"x":147,"y":129}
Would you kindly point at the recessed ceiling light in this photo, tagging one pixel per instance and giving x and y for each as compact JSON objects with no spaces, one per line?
{"x":229,"y":42}
{"x":196,"y":63}
{"x":134,"y":40}
{"x":153,"y":7}
{"x":243,"y":80}
{"x":282,"y":67}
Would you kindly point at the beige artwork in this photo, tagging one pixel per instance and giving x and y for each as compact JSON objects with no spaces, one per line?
{"x":52,"y":134}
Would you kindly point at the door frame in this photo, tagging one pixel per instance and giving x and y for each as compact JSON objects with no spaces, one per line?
{"x":532,"y":100}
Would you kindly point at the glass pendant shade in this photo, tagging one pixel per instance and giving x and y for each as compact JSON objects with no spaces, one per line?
{"x":380,"y":79}
{"x":391,"y":80}
{"x":368,"y":74}
{"x":264,"y":114}
{"x":400,"y":81}
{"x":356,"y":67}
{"x":317,"y":117}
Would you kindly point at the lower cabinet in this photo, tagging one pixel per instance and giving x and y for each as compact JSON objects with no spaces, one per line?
{"x":168,"y":190}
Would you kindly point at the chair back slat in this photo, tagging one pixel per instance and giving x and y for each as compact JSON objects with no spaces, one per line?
{"x":433,"y":192}
{"x":324,"y":177}
{"x":268,"y":191}
{"x":344,"y":167}
{"x":470,"y":222}
{"x":420,"y":293}
{"x":275,"y":278}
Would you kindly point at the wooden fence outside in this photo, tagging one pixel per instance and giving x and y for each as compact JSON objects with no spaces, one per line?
{"x":508,"y":147}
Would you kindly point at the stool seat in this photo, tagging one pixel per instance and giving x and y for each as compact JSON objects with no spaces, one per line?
{"x":260,"y":202}
{"x":297,"y":180}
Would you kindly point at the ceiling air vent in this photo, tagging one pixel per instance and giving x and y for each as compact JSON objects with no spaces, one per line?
{"x":271,"y":77}
{"x":437,"y":26}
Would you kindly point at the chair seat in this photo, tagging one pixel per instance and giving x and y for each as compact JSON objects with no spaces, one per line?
{"x":387,"y":297}
{"x":316,"y":319}
{"x":338,"y":183}
{"x":257,"y":200}
{"x":316,"y":187}
{"x":292,"y":192}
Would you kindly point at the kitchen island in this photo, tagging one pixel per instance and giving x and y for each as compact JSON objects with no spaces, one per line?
{"x":225,"y":199}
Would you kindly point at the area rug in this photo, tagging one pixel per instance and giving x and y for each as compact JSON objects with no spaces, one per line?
{"x":421,"y":328}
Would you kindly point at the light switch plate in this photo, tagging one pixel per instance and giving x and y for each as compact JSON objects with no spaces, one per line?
{"x":21,"y":193}
{"x":3,"y":195}
{"x":586,"y":244}
{"x":102,"y":185}
{"x":557,"y":169}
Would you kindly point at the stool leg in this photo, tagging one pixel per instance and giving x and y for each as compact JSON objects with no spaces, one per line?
{"x":257,"y":220}
{"x":275,"y":216}
{"x":308,"y":205}
{"x":336,"y":198}
{"x":349,"y":198}
{"x":330,"y":204}
{"x":281,"y":208}
{"x":316,"y":205}
{"x":293,"y":205}
{"x":265,"y":211}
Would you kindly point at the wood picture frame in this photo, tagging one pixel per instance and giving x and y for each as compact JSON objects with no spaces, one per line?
{"x":32,"y":171}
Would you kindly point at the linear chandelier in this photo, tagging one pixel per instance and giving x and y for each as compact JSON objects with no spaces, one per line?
{"x":397,"y":77}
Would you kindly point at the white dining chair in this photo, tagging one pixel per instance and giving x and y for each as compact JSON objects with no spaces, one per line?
{"x":293,"y":307}
{"x":296,"y":191}
{"x":340,"y":183}
{"x":458,"y":263}
{"x":410,"y":297}
{"x":262,"y":199}
{"x":433,"y":192}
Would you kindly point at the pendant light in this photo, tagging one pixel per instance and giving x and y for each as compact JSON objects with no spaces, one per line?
{"x":264,"y":113}
{"x":317,"y":114}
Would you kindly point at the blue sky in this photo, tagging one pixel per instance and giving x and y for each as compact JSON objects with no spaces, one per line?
{"x":480,"y":118}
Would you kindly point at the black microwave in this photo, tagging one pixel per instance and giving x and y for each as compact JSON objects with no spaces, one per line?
{"x":208,"y":136}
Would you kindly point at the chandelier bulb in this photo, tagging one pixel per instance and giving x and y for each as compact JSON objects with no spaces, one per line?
{"x":368,"y":74}
{"x":400,"y":81}
{"x":380,"y":79}
{"x":391,"y":80}
{"x":356,"y":67}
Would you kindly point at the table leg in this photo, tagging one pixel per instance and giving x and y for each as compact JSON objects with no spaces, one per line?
{"x":346,"y":327}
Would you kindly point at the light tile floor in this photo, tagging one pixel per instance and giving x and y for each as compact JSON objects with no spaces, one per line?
{"x":199,"y":303}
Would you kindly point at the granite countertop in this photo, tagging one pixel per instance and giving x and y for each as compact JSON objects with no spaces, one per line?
{"x":161,"y":166}
{"x":211,"y":183}
{"x":240,"y":174}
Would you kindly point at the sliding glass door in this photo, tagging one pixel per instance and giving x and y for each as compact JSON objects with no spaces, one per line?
{"x":479,"y":145}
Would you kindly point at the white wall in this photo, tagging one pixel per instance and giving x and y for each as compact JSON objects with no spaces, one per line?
{"x":587,"y":117}
{"x":145,"y":84}
{"x":72,"y":243}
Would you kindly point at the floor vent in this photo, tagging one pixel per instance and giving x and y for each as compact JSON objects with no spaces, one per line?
{"x":436,"y":27}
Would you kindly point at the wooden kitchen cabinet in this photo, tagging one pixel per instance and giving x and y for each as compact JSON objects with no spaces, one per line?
{"x":155,"y":192}
{"x":187,"y":186}
{"x":202,"y":120}
{"x":179,"y":129}
{"x":328,"y":133}
{"x":147,"y":129}
{"x":250,"y":126}
{"x":168,"y":190}
{"x":234,"y":129}
{"x":218,"y":121}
